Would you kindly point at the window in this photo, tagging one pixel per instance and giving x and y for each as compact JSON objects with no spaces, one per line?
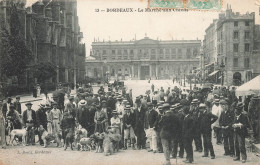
{"x":235,"y":62}
{"x":246,"y":47}
{"x":179,"y":53}
{"x":235,"y":23}
{"x":104,"y":52}
{"x":140,"y":51}
{"x":131,"y":51}
{"x":125,"y":52}
{"x":119,"y":57}
{"x":235,"y":47}
{"x":247,"y":35}
{"x":161,"y":51}
{"x":167,"y":51}
{"x":188,"y":53}
{"x":153,"y":51}
{"x":246,"y":63}
{"x":247,"y":23}
{"x":113,"y":52}
{"x":113,"y":57}
{"x":235,"y":35}
{"x":119,"y":52}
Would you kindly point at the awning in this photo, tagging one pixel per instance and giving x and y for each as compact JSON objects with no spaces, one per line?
{"x":213,"y":73}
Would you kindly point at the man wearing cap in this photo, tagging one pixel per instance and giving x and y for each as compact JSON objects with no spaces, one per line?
{"x":17,"y":105}
{"x":56,"y":118}
{"x":187,"y":133}
{"x":139,"y":112}
{"x":6,"y":106}
{"x":179,"y":140}
{"x":150,"y":123}
{"x":128,"y":125}
{"x":107,"y":111}
{"x":169,"y":125}
{"x":29,"y":120}
{"x":196,"y":119}
{"x":41,"y":120}
{"x":216,"y":110}
{"x":225,"y":122}
{"x":207,"y":118}
{"x":240,"y":125}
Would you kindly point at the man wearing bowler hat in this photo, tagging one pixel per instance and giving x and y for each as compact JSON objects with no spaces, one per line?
{"x":207,"y":118}
{"x":29,"y":120}
{"x":240,"y":125}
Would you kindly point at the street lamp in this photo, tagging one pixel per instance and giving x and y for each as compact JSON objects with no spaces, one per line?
{"x":222,"y":66}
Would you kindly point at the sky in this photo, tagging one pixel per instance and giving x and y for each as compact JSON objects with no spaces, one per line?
{"x":162,"y":25}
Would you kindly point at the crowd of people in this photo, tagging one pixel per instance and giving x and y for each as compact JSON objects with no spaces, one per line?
{"x":169,"y":121}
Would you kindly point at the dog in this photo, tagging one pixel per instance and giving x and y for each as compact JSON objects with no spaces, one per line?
{"x":69,"y":138}
{"x":19,"y":133}
{"x":85,"y":144}
{"x":108,"y":144}
{"x":98,"y":141}
{"x":115,"y":138}
{"x":48,"y":137}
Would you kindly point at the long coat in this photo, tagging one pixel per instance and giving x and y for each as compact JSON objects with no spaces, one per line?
{"x":139,"y":118}
{"x":206,"y":120}
{"x":188,"y":126}
{"x":243,"y":120}
{"x":169,"y":126}
{"x":33,"y":117}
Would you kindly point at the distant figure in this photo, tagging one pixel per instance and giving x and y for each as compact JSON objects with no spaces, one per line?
{"x":38,"y":88}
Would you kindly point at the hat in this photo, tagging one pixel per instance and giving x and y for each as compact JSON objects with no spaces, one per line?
{"x":125,"y":101}
{"x":114,"y":112}
{"x":29,"y":103}
{"x":202,"y":106}
{"x":12,"y":106}
{"x":137,"y":100}
{"x":149,"y":104}
{"x":239,"y":106}
{"x":195,"y":101}
{"x":119,"y":98}
{"x":216,"y":101}
{"x":103,"y":102}
{"x":166,"y":105}
{"x":223,"y":102}
{"x":255,"y":98}
{"x":93,"y":103}
{"x":17,"y":97}
{"x":161,"y":102}
{"x":127,"y":107}
{"x":82,"y":102}
{"x":177,"y":105}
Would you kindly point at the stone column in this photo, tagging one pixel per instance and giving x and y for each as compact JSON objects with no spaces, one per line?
{"x":150,"y":67}
{"x":132,"y":71}
{"x":157,"y":71}
{"x":66,"y":75}
{"x":139,"y":71}
{"x":123,"y":71}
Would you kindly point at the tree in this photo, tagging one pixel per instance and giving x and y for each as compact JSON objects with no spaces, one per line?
{"x":44,"y":71}
{"x":15,"y":55}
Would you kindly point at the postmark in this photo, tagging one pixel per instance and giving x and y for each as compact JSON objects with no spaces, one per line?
{"x":187,"y":4}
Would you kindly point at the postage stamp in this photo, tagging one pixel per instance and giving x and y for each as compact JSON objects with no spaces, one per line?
{"x":186,"y":4}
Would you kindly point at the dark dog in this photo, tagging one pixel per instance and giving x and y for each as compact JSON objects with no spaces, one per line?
{"x":47,"y":137}
{"x":98,"y":140}
{"x":69,"y":138}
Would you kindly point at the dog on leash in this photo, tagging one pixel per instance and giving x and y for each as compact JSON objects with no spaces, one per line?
{"x":19,"y":133}
{"x":79,"y":134}
{"x":98,"y":141}
{"x":48,"y":137}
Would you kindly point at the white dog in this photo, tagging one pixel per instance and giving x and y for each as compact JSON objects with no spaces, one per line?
{"x":18,"y":133}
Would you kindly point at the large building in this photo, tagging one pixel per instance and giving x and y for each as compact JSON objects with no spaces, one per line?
{"x":143,"y":59}
{"x":52,"y":33}
{"x":232,"y":40}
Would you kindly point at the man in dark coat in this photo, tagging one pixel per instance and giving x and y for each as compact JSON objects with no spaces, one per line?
{"x":150,"y":121}
{"x":169,"y":125}
{"x":128,"y":125}
{"x":41,"y":120}
{"x":6,"y":106}
{"x":30,"y":121}
{"x":82,"y":114}
{"x":240,"y":125}
{"x":139,"y":124}
{"x":207,"y":118}
{"x":179,"y":140}
{"x":17,"y":105}
{"x":225,"y":122}
{"x":187,"y":133}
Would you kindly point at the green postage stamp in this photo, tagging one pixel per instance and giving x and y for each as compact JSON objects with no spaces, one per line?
{"x":186,"y":4}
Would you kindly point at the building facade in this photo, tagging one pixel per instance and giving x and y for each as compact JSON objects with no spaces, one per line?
{"x":230,"y":43}
{"x":143,"y":59}
{"x":51,"y":31}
